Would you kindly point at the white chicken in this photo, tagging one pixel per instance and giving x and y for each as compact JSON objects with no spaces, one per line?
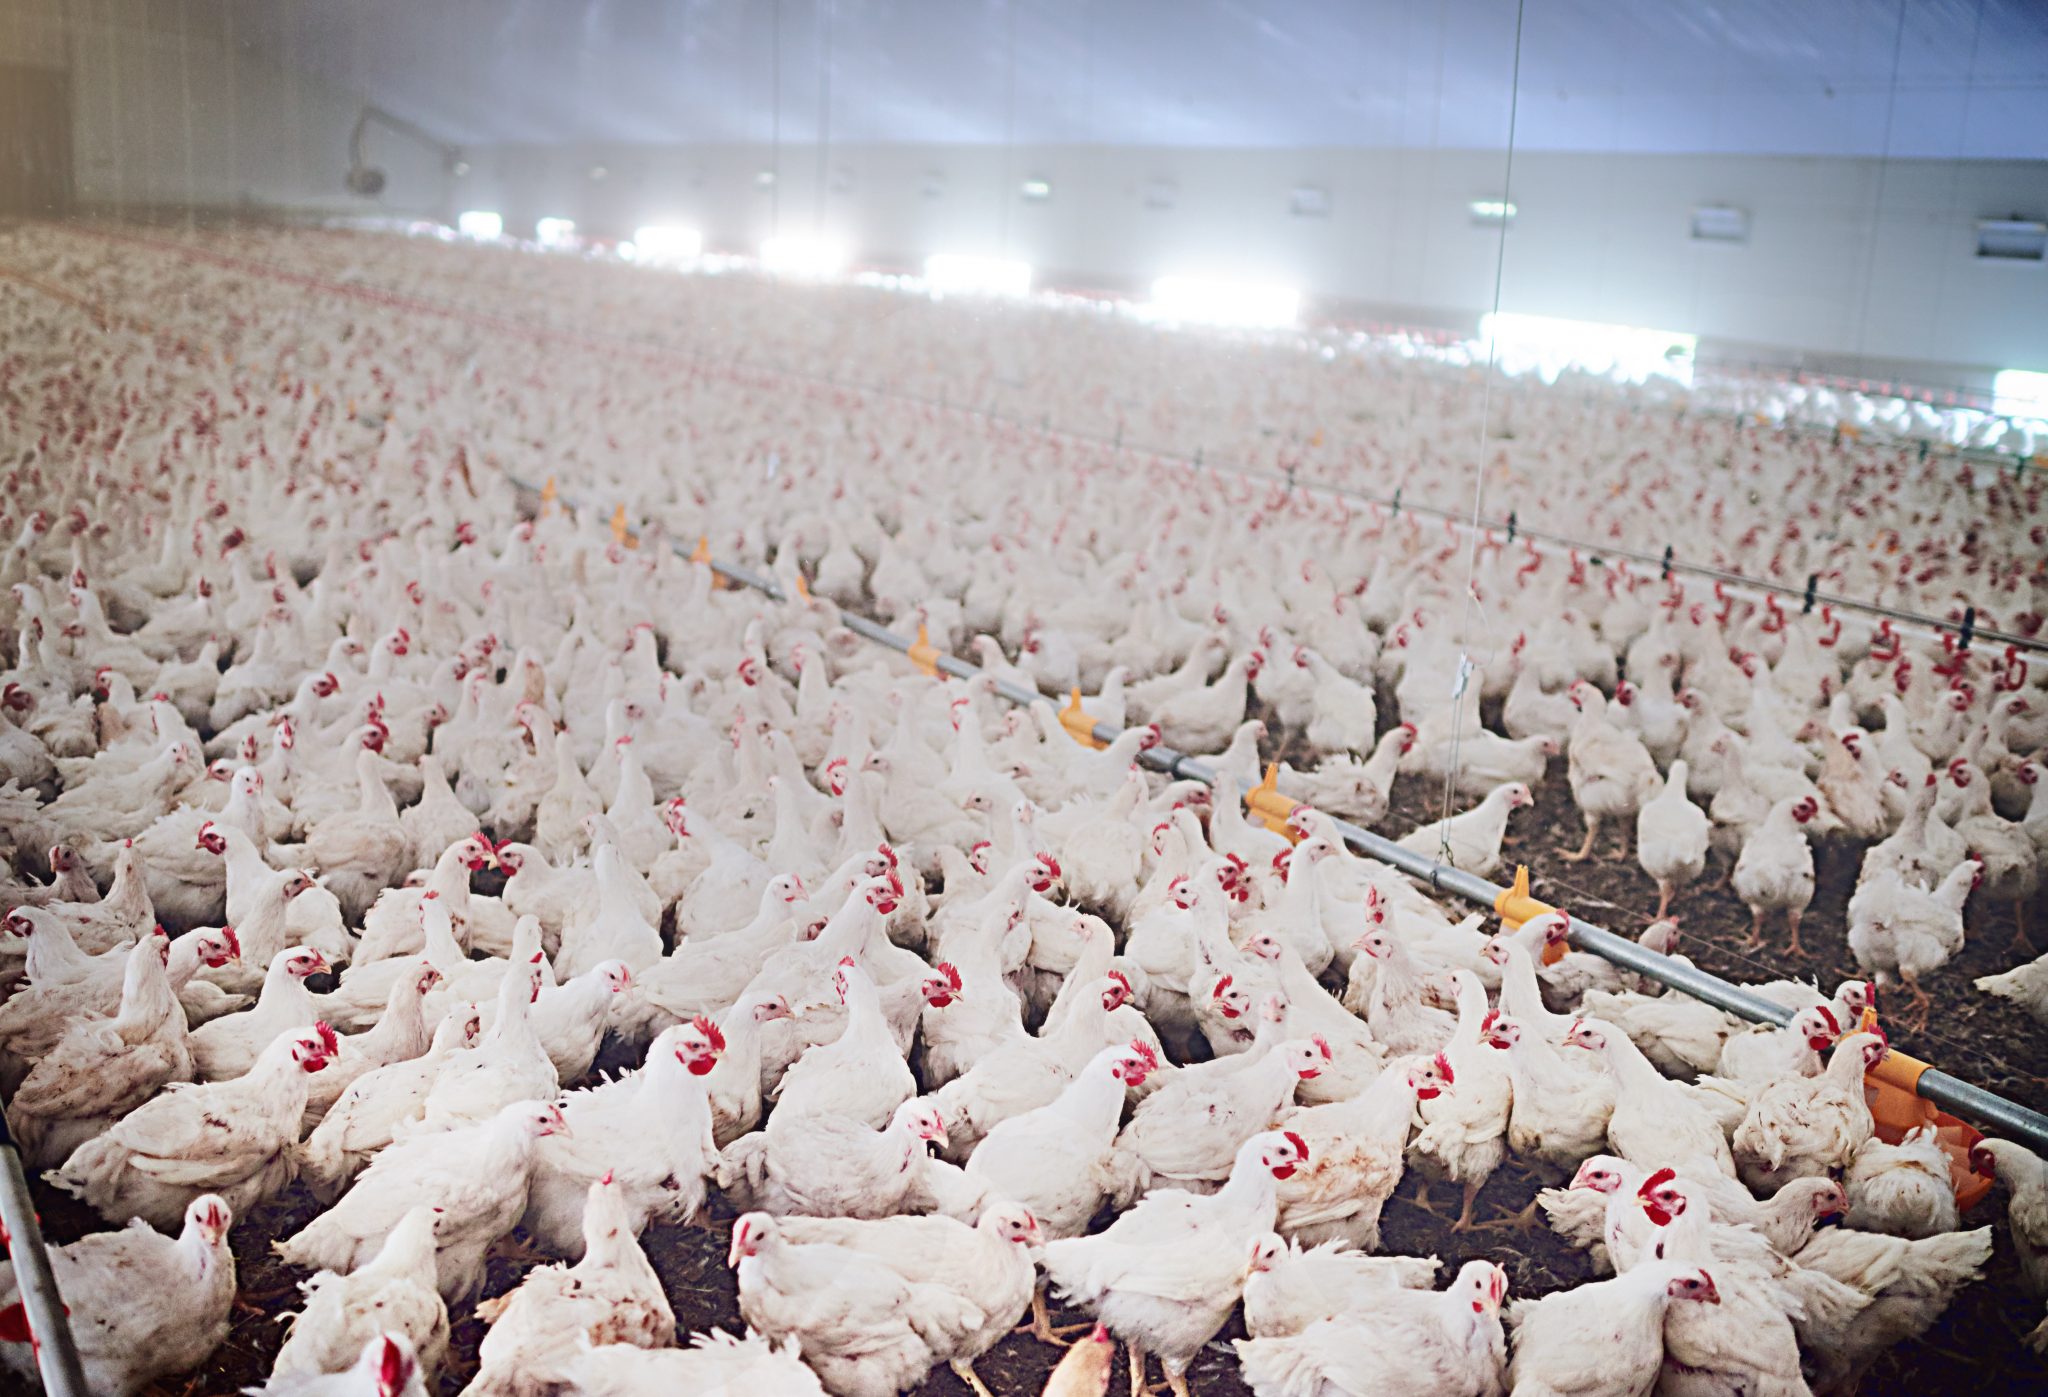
{"x":1165,"y":1275}
{"x":234,"y":1138}
{"x":142,"y":1306}
{"x":394,"y":1292}
{"x":1435,"y":1343}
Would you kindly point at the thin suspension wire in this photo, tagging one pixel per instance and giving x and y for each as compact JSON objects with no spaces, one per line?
{"x":824,"y":113}
{"x":775,"y":120}
{"x":1884,"y":170}
{"x":1466,"y":674}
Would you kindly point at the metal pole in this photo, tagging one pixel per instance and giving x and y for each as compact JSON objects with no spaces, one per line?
{"x":56,"y":1354}
{"x":2010,"y":1119}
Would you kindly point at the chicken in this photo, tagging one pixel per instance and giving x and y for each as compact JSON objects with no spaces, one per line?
{"x":510,"y":1063}
{"x":1604,"y":1337}
{"x":233,"y":1138}
{"x":1166,"y":1274}
{"x":1775,"y":870}
{"x":2025,"y":985}
{"x":1910,"y":1285}
{"x":1611,"y":774}
{"x":386,"y":1367}
{"x":476,"y":1175}
{"x":611,"y":1296}
{"x":987,"y":1267}
{"x":1463,"y":1135}
{"x":1084,"y":1372}
{"x":1903,"y":1189}
{"x":1800,"y":1127}
{"x":1202,"y":719}
{"x":649,"y":1132}
{"x":141,"y":1306}
{"x":101,"y":1069}
{"x":227,"y":1046}
{"x":1288,"y":1288}
{"x":861,"y":1326}
{"x":713,"y":1363}
{"x":366,"y":1117}
{"x":860,"y":1074}
{"x":1901,"y":931}
{"x":1061,"y":1160}
{"x":1433,"y":1343}
{"x":831,"y":1165}
{"x":1188,"y":1131}
{"x":2026,"y":1213}
{"x":1471,"y":839}
{"x":394,"y":1292}
{"x":1558,"y":1112}
{"x":1672,"y":837}
{"x":1653,"y":1121}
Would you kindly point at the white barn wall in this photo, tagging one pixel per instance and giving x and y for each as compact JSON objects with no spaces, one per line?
{"x":1849,"y":260}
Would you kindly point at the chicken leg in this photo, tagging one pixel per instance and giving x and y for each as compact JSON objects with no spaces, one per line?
{"x":1042,"y":1328}
{"x":963,"y":1369}
{"x":1792,"y":947}
{"x":1526,"y":1222}
{"x":1663,"y":899}
{"x":2022,"y":944}
{"x":1585,"y":850}
{"x":1464,"y":1222}
{"x":1756,"y":930}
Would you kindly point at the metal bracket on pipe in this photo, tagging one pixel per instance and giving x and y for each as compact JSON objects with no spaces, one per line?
{"x":2009,"y":1118}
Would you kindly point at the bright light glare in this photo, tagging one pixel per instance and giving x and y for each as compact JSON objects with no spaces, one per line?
{"x":1550,"y":345}
{"x":668,"y":242}
{"x":1493,"y":210}
{"x":964,"y":272}
{"x":554,"y":232}
{"x":1249,"y":303}
{"x":480,"y":223}
{"x":1036,"y":189}
{"x":794,"y":254}
{"x":2020,"y":393}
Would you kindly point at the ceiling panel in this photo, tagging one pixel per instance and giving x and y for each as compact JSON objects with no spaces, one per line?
{"x":1730,"y":76}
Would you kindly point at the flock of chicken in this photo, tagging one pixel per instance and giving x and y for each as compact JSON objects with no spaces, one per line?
{"x":956,"y":1012}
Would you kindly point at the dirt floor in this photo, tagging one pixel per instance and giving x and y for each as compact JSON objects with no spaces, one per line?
{"x":1986,"y":1041}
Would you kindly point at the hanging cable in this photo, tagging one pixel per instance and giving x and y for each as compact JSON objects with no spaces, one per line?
{"x":1464,"y":677}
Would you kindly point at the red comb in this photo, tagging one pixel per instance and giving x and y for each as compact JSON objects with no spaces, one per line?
{"x":328,"y":1041}
{"x":711,"y":1032}
{"x":1656,"y":1181}
{"x":1834,"y":1026}
{"x":1144,"y":1052}
{"x":950,"y":971}
{"x":1300,"y":1145}
{"x":1443,"y":1067}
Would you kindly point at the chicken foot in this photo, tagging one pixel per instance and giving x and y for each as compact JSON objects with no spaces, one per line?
{"x":1756,"y":930}
{"x":1524,"y":1223}
{"x":1585,"y":850}
{"x":1919,"y":1004}
{"x":1664,"y":891}
{"x":1792,"y":947}
{"x":963,"y":1369}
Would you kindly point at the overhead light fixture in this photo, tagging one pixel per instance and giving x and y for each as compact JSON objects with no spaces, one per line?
{"x":1036,"y":190}
{"x":480,"y":223}
{"x":2020,"y":393}
{"x":668,"y":242}
{"x":2012,"y":239}
{"x":1217,"y":302}
{"x":554,"y":232}
{"x":965,"y":273}
{"x":598,"y":173}
{"x":764,"y":178}
{"x":1309,"y":201}
{"x":1550,"y":345}
{"x":1717,"y":223}
{"x":1492,"y":211}
{"x":795,"y":254}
